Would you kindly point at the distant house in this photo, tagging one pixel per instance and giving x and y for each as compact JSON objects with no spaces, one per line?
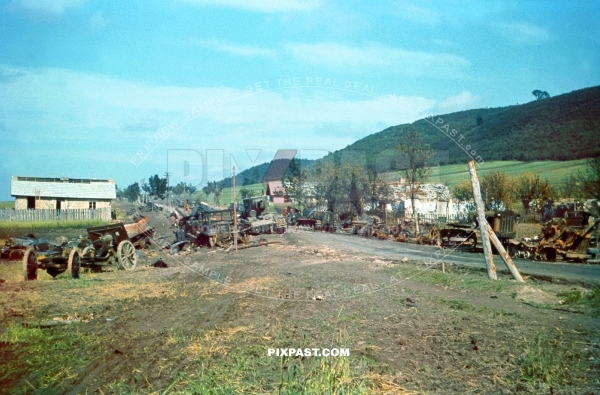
{"x":62,"y":193}
{"x":429,"y":199}
{"x":276,"y":192}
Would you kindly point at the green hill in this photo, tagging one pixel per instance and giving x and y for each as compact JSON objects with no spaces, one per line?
{"x":565,"y":127}
{"x":549,"y":137}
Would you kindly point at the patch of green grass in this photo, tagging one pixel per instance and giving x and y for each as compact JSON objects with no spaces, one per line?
{"x":550,"y":361}
{"x":570,"y":297}
{"x":295,"y":376}
{"x":10,"y":204}
{"x":460,"y":305}
{"x":8,"y":229}
{"x":590,"y":299}
{"x":454,"y":280}
{"x":44,"y":360}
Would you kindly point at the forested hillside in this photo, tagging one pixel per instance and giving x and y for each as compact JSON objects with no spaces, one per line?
{"x":560,"y":128}
{"x":565,"y":127}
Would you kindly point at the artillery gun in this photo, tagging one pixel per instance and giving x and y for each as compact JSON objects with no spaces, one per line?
{"x":105,"y":245}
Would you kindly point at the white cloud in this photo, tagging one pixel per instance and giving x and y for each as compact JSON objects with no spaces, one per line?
{"x":234,"y":49}
{"x":398,"y":61}
{"x":269,"y":6}
{"x":48,"y":109}
{"x":523,"y":32}
{"x":59,"y":104}
{"x":53,"y":7}
{"x":463,"y":101}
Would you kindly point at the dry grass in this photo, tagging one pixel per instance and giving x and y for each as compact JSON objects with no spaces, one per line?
{"x":528,"y":230}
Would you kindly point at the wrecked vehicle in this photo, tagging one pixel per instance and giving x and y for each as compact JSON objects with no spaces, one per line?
{"x":255,"y":220}
{"x":204,"y":227}
{"x":370,"y":226}
{"x":572,"y":238}
{"x":467,"y":236}
{"x":106,"y":245}
{"x":432,"y":237}
{"x":208,"y":227}
{"x":15,"y":247}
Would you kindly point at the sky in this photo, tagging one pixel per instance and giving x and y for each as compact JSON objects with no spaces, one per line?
{"x":127,"y":89}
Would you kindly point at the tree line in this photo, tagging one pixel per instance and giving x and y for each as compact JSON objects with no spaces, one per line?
{"x":501,"y":191}
{"x":156,"y":187}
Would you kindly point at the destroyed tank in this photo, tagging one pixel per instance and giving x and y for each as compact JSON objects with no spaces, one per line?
{"x":256,"y":220}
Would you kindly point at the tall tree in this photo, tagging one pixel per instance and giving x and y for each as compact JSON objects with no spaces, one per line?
{"x":463,"y":193}
{"x":158,"y":186}
{"x":498,"y":190}
{"x":132,"y":192}
{"x":540,"y":95}
{"x":530,"y":187}
{"x":218,"y":190}
{"x":414,"y":162}
{"x":325,"y":181}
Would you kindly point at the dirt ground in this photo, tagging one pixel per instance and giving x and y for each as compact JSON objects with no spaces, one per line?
{"x":204,"y":324}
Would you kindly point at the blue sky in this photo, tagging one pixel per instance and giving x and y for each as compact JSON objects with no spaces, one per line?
{"x":124,"y":90}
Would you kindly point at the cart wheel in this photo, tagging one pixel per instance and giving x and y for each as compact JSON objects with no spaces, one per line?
{"x":29,"y":265}
{"x":74,"y":264}
{"x":126,"y":255}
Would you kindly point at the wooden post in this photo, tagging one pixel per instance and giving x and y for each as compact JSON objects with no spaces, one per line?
{"x":504,"y":255}
{"x":235,"y":230}
{"x":485,"y":237}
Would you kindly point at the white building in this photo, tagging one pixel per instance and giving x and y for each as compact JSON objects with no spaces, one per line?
{"x":432,"y":199}
{"x":61,"y":193}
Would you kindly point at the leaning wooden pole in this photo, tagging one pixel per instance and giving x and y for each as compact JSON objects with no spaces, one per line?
{"x":504,"y":255}
{"x":485,"y":237}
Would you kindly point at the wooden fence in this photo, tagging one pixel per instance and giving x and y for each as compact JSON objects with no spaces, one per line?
{"x":30,"y":215}
{"x":426,"y":218}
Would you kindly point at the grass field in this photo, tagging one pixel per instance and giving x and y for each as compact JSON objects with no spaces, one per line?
{"x":8,"y":229}
{"x":554,"y":171}
{"x":10,"y":204}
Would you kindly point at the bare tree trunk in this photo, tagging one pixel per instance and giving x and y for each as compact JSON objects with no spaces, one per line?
{"x":414,"y":211}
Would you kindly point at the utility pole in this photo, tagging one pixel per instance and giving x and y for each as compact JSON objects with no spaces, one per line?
{"x":167,"y":176}
{"x":235,"y":230}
